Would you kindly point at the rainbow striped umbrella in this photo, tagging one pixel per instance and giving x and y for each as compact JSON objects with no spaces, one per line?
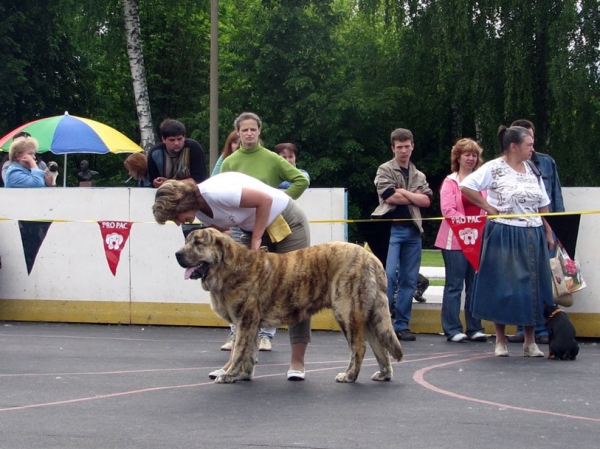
{"x":68,"y":134}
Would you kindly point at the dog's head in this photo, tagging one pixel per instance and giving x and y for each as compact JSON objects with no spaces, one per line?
{"x":550,"y":310}
{"x":52,"y":166}
{"x":204,"y":250}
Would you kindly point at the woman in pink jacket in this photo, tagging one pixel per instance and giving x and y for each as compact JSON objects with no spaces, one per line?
{"x":465,"y":158}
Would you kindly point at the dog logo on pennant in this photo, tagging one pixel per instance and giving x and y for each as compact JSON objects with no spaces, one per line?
{"x":114,"y":236}
{"x":469,"y":230}
{"x":468,"y":236}
{"x":114,"y":241}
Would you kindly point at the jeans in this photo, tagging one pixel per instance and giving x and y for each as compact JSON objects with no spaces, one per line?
{"x":459,"y":273}
{"x":540,"y":330}
{"x":268,"y":332}
{"x":404,"y":256}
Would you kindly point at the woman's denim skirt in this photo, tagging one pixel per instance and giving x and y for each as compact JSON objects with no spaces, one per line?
{"x":514,"y":279}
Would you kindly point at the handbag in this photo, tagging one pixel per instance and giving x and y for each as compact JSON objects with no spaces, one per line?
{"x":566,"y":277}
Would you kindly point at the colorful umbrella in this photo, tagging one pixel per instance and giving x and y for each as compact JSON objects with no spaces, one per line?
{"x":67,"y":134}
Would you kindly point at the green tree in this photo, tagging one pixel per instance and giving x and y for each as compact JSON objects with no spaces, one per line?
{"x":575,"y":93}
{"x":41,"y":73}
{"x":177,"y":54}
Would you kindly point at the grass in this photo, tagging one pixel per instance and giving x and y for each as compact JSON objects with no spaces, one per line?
{"x":432,"y":258}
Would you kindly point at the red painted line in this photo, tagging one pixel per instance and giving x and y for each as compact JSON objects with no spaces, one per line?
{"x":103,"y":396}
{"x":419,"y":378}
{"x":103,"y":373}
{"x":75,"y":337}
{"x":171,"y":387}
{"x":128,"y":393}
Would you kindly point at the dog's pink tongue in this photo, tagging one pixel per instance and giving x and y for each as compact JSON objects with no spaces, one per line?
{"x":188,"y":273}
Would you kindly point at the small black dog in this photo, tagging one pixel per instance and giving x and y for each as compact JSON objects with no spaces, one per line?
{"x":422,"y":285}
{"x":561,"y":334}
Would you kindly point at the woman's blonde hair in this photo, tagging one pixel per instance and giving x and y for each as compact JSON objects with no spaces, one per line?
{"x":21,"y":145}
{"x":173,"y":198}
{"x":465,"y":145}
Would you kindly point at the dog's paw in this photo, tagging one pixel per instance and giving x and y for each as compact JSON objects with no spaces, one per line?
{"x":343,"y":378}
{"x":225,"y":379}
{"x":230,"y":379}
{"x":380,"y":377}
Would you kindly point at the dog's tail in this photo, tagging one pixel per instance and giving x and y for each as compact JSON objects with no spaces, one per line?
{"x":392,"y":344}
{"x":380,"y":322}
{"x":385,"y":331}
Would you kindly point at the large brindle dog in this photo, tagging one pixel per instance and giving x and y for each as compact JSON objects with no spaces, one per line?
{"x":254,"y":289}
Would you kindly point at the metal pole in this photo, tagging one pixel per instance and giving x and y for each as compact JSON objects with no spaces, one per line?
{"x":214,"y":83}
{"x":65,"y":172}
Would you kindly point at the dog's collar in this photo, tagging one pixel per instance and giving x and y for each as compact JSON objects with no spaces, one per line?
{"x":556,"y":312}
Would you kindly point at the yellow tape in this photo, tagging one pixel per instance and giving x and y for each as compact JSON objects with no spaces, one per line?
{"x":364,"y":220}
{"x":583,"y":212}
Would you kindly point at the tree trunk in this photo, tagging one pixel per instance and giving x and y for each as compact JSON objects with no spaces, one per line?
{"x":138,"y":72}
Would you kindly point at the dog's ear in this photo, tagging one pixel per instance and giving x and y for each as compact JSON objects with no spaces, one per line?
{"x":225,"y":244}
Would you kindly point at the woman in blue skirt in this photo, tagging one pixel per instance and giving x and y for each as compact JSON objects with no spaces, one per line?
{"x":514,"y":274}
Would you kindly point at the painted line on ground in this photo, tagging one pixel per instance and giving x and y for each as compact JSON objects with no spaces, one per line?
{"x":419,"y":378}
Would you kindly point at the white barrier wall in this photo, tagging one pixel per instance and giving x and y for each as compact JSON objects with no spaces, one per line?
{"x":588,"y":247}
{"x":71,"y":279}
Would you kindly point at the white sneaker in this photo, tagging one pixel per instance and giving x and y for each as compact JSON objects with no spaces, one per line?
{"x":478,"y":336}
{"x":532,"y":351}
{"x":457,"y":338}
{"x":228,"y":346}
{"x":216,"y":373}
{"x":265,"y":344}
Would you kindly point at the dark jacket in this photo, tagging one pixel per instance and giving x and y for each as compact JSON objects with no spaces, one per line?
{"x":547,"y":167}
{"x":191,"y":163}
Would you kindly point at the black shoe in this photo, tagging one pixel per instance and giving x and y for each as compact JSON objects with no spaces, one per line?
{"x":405,"y":335}
{"x":542,"y":340}
{"x":519,"y":338}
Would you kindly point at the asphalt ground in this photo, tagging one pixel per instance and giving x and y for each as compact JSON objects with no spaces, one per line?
{"x":106,"y":386}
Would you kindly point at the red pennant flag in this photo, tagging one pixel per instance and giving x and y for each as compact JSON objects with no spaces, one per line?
{"x":114,"y":236}
{"x":469,"y":232}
